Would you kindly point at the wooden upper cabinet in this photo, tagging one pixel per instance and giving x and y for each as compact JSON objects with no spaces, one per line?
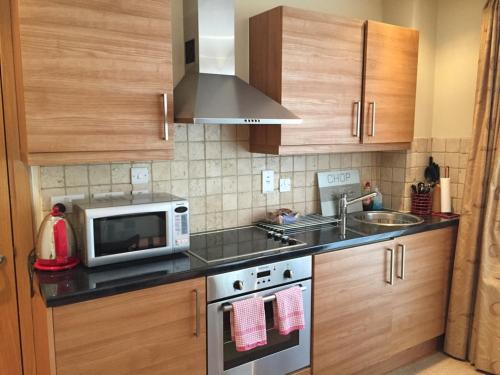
{"x":91,"y":77}
{"x":317,"y":65}
{"x":312,"y":63}
{"x":147,"y":332}
{"x":390,"y":83}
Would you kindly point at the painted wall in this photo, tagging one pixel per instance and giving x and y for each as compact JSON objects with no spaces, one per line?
{"x":244,"y":9}
{"x":420,"y":15}
{"x":457,"y":49}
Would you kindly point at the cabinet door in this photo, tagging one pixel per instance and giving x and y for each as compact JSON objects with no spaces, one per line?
{"x":93,"y":74}
{"x":10,"y":345}
{"x":150,"y":331}
{"x":390,"y":83}
{"x":322,"y":64}
{"x":419,"y":303}
{"x":352,"y":302}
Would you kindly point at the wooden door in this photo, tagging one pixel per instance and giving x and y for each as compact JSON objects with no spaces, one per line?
{"x":391,"y":56}
{"x":419,"y":303}
{"x":352,"y":309}
{"x":150,"y":331}
{"x":312,"y":63}
{"x":322,"y":77}
{"x":10,"y":345}
{"x":93,"y":74}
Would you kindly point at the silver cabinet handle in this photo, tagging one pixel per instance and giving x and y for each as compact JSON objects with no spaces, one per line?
{"x":197,"y":311}
{"x":403,"y":256}
{"x":165,"y":116}
{"x":358,"y":118}
{"x":2,"y":259}
{"x":374,"y":119}
{"x":391,"y":271}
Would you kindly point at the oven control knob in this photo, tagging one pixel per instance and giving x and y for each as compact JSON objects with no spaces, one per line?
{"x":288,"y":274}
{"x":270,"y":234}
{"x":277,"y":236}
{"x":284,"y":239}
{"x":238,"y":284}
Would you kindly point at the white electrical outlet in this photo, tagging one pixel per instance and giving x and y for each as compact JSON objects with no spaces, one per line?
{"x":108,"y":194}
{"x":267,"y":181}
{"x":67,"y":200}
{"x":139,"y":175}
{"x":285,"y":185}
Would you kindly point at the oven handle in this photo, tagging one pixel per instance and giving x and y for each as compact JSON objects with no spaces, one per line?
{"x":272,"y":297}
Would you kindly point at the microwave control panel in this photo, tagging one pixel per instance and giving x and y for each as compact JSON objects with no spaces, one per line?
{"x":181,"y":227}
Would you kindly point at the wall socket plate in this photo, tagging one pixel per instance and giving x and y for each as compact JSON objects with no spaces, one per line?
{"x":267,"y":181}
{"x":285,"y":185}
{"x":139,"y":175}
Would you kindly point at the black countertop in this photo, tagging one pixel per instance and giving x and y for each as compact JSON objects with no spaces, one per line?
{"x":81,"y":283}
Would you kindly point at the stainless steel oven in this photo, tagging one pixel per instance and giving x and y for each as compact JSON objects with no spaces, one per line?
{"x":282,"y":354}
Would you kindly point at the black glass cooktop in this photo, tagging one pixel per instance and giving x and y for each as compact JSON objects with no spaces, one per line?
{"x":237,"y":243}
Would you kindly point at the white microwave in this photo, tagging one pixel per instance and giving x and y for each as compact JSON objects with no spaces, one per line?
{"x":122,"y":229}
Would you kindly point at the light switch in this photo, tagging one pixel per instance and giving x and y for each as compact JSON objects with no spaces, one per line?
{"x":267,"y":181}
{"x":285,"y":185}
{"x":139,"y":175}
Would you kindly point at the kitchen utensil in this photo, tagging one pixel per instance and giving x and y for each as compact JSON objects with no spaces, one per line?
{"x":431,"y":172}
{"x":56,"y":244}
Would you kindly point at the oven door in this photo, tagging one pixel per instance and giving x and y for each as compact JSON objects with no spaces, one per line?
{"x":281,"y":355}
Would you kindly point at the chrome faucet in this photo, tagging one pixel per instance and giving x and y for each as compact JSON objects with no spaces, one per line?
{"x":344,"y":203}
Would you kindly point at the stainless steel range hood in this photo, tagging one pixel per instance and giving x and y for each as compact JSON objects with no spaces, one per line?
{"x":210,"y":92}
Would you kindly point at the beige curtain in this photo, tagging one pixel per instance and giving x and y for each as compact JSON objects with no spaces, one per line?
{"x":473,"y":327}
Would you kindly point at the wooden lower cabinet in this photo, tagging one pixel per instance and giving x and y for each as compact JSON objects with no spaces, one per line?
{"x":361,"y":321}
{"x":150,"y":331}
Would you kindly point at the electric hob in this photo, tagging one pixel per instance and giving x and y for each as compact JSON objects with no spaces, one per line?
{"x":236,"y":243}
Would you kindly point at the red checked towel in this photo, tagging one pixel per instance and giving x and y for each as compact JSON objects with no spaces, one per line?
{"x":248,"y":324}
{"x":288,"y":310}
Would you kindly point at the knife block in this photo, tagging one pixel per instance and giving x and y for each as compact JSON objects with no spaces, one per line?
{"x":436,"y":198}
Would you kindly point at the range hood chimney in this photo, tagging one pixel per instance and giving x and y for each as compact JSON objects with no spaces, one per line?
{"x":210,"y":92}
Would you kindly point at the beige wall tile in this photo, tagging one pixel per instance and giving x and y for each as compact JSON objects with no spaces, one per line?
{"x":197,"y":223}
{"x":357,"y":160}
{"x":258,"y":165}
{"x":160,"y":170}
{"x":230,"y":219}
{"x":452,"y":145}
{"x":197,"y":187}
{"x":244,"y":166}
{"x":311,"y":162}
{"x":229,"y":184}
{"x":438,"y":145}
{"x":229,"y":167}
{"x":212,"y":132}
{"x":212,"y":150}
{"x":258,"y":199}
{"x":299,"y":163}
{"x":179,"y":170}
{"x":214,"y":185}
{"x":245,"y":217}
{"x":244,"y":183}
{"x":162,"y":187}
{"x":197,"y":169}
{"x":100,"y":174}
{"x":196,"y":133}
{"x":214,"y":221}
{"x":299,"y":179}
{"x":180,"y":188}
{"x":51,"y":177}
{"x":228,"y":150}
{"x":272,"y":199}
{"x":286,"y":164}
{"x":335,"y":161}
{"x":120,"y":173}
{"x":451,"y":160}
{"x":245,"y":200}
{"x":181,"y":151}
{"x":229,"y":202}
{"x":243,"y":150}
{"x":228,"y":133}
{"x":214,"y":203}
{"x":345,"y":161}
{"x":76,"y":175}
{"x":273,"y":163}
{"x":180,"y":133}
{"x":213,"y":168}
{"x":46,"y":195}
{"x":196,"y":150}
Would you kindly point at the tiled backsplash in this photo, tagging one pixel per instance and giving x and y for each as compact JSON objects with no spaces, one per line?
{"x":214,"y":170}
{"x":222,"y":180}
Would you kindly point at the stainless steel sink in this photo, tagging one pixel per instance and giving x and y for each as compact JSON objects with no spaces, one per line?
{"x":387,"y":218}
